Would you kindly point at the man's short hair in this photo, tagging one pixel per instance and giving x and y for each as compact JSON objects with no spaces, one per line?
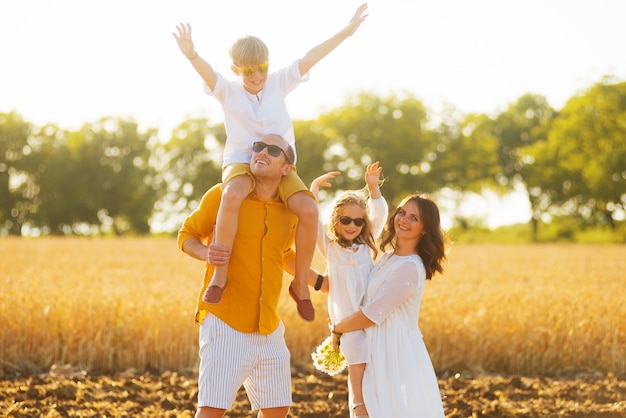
{"x":291,"y":155}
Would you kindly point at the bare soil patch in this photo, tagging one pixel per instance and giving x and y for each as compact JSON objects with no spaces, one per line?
{"x":315,"y":396}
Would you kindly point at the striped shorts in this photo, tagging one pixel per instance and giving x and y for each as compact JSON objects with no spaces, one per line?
{"x":229,"y":358}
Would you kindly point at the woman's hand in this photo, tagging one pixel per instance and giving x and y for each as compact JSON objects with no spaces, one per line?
{"x":336,"y":340}
{"x":335,"y":336}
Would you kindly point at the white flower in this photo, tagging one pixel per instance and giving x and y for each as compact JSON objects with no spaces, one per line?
{"x":328,"y":360}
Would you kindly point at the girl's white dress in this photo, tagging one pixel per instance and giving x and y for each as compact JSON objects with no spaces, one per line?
{"x":399,"y":378}
{"x":348,"y":269}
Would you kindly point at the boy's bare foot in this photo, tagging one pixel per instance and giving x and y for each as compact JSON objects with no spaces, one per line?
{"x":305,"y":306}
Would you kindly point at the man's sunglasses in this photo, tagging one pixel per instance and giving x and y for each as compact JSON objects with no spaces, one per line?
{"x":273,"y":150}
{"x":346,"y":220}
{"x":249,"y":71}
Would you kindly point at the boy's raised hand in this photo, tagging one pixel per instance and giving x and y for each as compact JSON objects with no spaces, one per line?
{"x":184,"y":39}
{"x":317,"y":53}
{"x":357,"y":19}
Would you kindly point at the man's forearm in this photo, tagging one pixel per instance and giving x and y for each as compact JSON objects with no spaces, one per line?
{"x":196,"y":249}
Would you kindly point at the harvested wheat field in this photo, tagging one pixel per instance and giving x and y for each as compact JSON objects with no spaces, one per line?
{"x":513,"y":331}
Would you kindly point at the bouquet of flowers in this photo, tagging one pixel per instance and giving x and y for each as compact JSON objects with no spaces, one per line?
{"x":328,"y":360}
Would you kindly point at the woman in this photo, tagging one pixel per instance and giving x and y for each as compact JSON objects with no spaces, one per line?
{"x":399,"y":379}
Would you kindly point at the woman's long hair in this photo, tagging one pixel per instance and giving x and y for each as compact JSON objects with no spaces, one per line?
{"x":431,"y":247}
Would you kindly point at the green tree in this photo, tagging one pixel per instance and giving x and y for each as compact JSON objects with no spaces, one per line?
{"x":124,"y":176}
{"x":15,"y":194}
{"x":189,"y":164}
{"x":392,"y":130}
{"x":588,"y":145}
{"x":525,"y":122}
{"x":98,"y":177}
{"x":471,"y":162}
{"x":502,"y":144}
{"x":315,"y":155}
{"x":469,"y":159}
{"x":54,"y":172}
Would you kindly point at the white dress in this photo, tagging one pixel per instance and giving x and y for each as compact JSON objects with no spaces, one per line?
{"x":399,"y":378}
{"x":348,"y":269}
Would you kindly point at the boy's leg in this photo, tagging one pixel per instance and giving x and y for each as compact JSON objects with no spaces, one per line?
{"x":355,"y":374}
{"x":305,"y":208}
{"x":233,"y":194}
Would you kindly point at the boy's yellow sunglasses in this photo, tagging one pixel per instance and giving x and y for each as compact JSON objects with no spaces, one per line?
{"x":249,"y":71}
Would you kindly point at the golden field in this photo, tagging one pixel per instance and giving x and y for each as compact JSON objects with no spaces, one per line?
{"x":113,"y":305}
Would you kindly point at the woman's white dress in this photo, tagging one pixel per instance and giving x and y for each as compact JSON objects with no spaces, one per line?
{"x":348,"y":270}
{"x":399,"y":378}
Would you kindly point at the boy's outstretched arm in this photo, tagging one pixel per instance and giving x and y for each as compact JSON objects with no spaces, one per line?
{"x":320,"y":51}
{"x":183,"y":38}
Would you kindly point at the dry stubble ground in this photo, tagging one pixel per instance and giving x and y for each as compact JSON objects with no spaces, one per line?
{"x":315,"y":395}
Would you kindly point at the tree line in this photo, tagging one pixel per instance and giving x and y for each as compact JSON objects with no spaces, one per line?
{"x":110,"y":177}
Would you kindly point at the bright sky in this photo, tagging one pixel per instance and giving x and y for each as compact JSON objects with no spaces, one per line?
{"x":73,"y":61}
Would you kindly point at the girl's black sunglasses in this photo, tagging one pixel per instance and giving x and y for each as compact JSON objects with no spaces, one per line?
{"x":346,"y":220}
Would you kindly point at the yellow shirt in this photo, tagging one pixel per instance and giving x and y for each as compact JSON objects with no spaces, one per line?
{"x":263,"y":244}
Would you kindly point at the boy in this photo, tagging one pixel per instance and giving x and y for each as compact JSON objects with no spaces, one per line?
{"x":255,"y":106}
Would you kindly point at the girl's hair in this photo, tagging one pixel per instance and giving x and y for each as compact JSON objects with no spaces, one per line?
{"x":249,"y":50}
{"x":351,"y":198}
{"x":431,"y":248}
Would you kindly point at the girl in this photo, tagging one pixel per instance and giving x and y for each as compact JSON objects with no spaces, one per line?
{"x":349,"y":249}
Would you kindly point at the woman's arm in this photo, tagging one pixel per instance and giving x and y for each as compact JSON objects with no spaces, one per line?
{"x":354,"y":322}
{"x":401,"y":284}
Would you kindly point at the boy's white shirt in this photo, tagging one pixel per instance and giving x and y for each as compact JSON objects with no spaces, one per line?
{"x":246,"y":120}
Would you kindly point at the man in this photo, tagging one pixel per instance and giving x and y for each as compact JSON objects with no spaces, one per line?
{"x":242,"y":338}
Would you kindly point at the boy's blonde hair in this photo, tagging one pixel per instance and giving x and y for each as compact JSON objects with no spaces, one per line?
{"x":249,"y":50}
